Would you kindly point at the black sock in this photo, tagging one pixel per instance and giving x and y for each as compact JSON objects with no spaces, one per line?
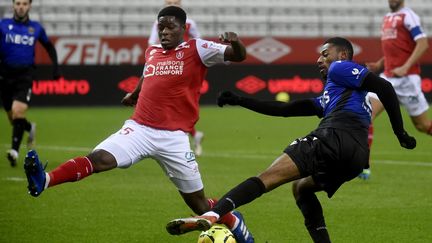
{"x":242,"y":194}
{"x":314,"y":219}
{"x":19,"y":126}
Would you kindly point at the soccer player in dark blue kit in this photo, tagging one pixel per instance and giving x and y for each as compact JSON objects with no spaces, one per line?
{"x":18,"y":37}
{"x":323,"y":160}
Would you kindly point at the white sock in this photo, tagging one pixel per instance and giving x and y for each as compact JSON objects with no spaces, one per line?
{"x":212,"y":214}
{"x":47,"y":180}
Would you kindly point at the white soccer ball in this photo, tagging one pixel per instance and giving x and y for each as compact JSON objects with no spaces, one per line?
{"x":218,"y":233}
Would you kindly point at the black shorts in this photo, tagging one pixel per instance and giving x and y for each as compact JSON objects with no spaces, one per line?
{"x":330,"y":156}
{"x":15,"y":84}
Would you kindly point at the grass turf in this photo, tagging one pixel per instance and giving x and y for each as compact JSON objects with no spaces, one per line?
{"x":133,"y":205}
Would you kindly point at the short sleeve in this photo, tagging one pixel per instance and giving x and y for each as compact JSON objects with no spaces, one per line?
{"x":347,"y":74}
{"x":210,"y":52}
{"x":412,"y":24}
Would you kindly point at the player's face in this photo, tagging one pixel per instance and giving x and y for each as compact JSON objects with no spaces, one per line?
{"x":395,"y":5}
{"x":328,"y":54}
{"x":170,"y":32}
{"x":21,"y":9}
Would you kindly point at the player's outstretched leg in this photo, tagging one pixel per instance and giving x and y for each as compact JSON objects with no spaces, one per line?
{"x":35,"y":173}
{"x":204,"y":222}
{"x":12,"y":156}
{"x":198,"y":137}
{"x":31,"y":136}
{"x":365,"y":174}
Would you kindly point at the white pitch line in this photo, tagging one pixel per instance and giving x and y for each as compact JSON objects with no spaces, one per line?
{"x":241,"y":155}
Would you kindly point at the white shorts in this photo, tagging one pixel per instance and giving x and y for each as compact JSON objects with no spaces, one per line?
{"x":171,"y":149}
{"x":409,"y":93}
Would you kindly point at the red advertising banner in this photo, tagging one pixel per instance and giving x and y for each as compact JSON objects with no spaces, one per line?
{"x":130,"y":50}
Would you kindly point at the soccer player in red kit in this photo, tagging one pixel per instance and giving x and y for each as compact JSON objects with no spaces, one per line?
{"x":403,"y":43}
{"x":166,"y":100}
{"x":191,"y":32}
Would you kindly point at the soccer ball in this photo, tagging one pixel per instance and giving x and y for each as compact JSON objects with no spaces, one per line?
{"x":218,"y":233}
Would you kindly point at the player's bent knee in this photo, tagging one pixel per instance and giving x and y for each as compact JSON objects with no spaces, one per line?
{"x":102,"y":160}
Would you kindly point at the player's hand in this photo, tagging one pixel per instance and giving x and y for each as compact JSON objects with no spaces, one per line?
{"x":406,"y":140}
{"x":130,"y":99}
{"x":400,"y":71}
{"x":373,"y":67}
{"x":228,"y":37}
{"x":228,"y":97}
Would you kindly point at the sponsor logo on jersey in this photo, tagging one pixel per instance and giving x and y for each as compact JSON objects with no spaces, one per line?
{"x":164,"y":68}
{"x":20,"y":39}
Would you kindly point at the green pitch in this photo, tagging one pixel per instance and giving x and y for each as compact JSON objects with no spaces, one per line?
{"x":133,"y":205}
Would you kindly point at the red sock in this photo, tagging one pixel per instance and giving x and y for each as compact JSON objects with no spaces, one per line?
{"x":370,"y":135}
{"x":228,"y":219}
{"x":192,"y":133}
{"x":430,"y":129}
{"x":72,"y":170}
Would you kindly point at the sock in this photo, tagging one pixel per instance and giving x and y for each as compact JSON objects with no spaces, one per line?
{"x":192,"y":133}
{"x":229,"y":219}
{"x":19,"y":126}
{"x":72,"y":170}
{"x":244,"y":193}
{"x":429,"y":131}
{"x":312,"y":212}
{"x":370,"y":140}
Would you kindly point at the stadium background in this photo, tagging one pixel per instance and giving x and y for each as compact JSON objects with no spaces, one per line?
{"x":101,"y":44}
{"x":98,"y":44}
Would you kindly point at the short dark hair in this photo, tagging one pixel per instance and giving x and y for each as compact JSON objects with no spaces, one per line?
{"x":13,"y":1}
{"x":342,"y":44}
{"x":175,"y":11}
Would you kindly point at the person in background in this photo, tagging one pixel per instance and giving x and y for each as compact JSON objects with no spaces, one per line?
{"x":403,"y":43}
{"x":18,"y":37}
{"x":190,"y":33}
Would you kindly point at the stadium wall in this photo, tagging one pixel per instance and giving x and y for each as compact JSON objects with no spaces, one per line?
{"x":99,"y":71}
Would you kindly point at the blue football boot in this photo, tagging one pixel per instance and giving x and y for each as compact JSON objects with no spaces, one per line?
{"x":241,"y":233}
{"x":35,"y":173}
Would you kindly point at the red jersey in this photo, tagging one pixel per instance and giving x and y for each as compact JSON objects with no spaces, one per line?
{"x":170,"y":92}
{"x":399,"y":32}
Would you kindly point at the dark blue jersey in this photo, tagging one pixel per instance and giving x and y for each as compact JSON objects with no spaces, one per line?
{"x":18,"y":41}
{"x":342,"y":96}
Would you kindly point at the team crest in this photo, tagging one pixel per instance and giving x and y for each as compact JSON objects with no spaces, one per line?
{"x":31,"y":30}
{"x":10,"y":27}
{"x":180,"y":55}
{"x":189,"y":156}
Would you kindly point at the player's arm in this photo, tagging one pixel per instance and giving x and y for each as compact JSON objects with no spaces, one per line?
{"x":305,"y":107}
{"x":387,"y":96}
{"x":377,"y":66}
{"x":52,"y":53}
{"x":236,"y":51}
{"x":420,"y":49}
{"x":131,"y":98}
